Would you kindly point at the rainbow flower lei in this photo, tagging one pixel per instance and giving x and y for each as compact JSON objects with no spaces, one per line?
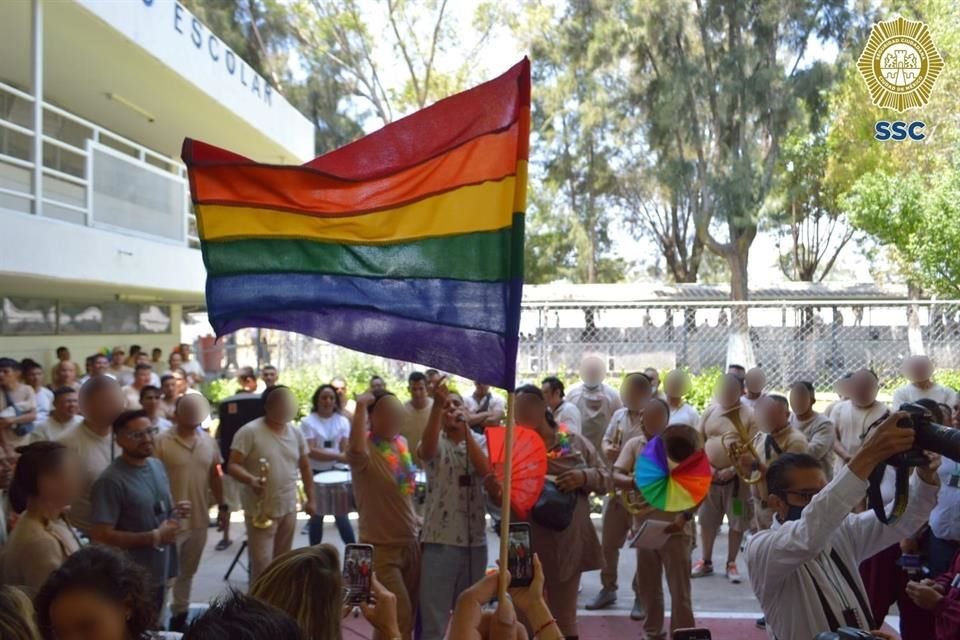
{"x":562,"y":447}
{"x":397,"y":456}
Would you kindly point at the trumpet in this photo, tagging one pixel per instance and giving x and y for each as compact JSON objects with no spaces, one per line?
{"x":738,"y":443}
{"x":262,"y":520}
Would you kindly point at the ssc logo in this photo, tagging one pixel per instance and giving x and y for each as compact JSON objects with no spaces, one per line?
{"x":900,"y":64}
{"x":898,"y":131}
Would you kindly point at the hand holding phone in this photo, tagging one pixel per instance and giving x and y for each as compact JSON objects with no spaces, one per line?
{"x":357,"y":573}
{"x":692,"y":634}
{"x":520,"y":555}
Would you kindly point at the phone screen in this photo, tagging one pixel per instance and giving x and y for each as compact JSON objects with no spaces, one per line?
{"x":520,"y":555}
{"x":358,"y":572}
{"x":692,"y":634}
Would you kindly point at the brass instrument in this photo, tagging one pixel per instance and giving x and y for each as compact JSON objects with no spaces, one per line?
{"x":738,"y":444}
{"x":262,"y":520}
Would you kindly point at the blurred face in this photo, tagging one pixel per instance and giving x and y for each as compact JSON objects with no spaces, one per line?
{"x":676,"y":384}
{"x":341,"y":388}
{"x":142,"y":358}
{"x":151,"y":402}
{"x":62,"y":486}
{"x":728,"y":392}
{"x":418,"y":393}
{"x":248,"y":383}
{"x":481,"y":390}
{"x":8,"y":376}
{"x":919,"y":369}
{"x":34,"y":377}
{"x":844,"y":387}
{"x":956,"y":415}
{"x":186,"y":350}
{"x":67,"y":405}
{"x":175,"y":361}
{"x":156,"y":355}
{"x":65,"y":374}
{"x":863,"y":389}
{"x":83,"y":615}
{"x":530,"y":410}
{"x":773,"y":414}
{"x":327,"y":402}
{"x":142,"y":377}
{"x":592,"y":372}
{"x":377,"y":384}
{"x":801,"y":401}
{"x":756,"y":381}
{"x":103,"y":406}
{"x":99,"y":365}
{"x":63,"y":355}
{"x":387,"y":416}
{"x":169,"y":388}
{"x":270,"y":377}
{"x":635,"y":391}
{"x":453,"y":410}
{"x":136,"y":439}
{"x":432,"y":379}
{"x":281,"y":406}
{"x":553,"y":397}
{"x":192,"y":410}
{"x":654,"y":376}
{"x":117,"y":357}
{"x":655,"y":417}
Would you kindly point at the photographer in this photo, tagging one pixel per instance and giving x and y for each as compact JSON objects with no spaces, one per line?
{"x":804,"y":569}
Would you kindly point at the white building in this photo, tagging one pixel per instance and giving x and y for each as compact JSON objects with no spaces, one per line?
{"x":98,"y":245}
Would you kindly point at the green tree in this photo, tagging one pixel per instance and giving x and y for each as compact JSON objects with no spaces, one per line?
{"x":577,"y":52}
{"x":720,"y":82}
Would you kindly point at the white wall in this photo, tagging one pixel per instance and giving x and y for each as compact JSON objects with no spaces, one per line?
{"x":170,"y":33}
{"x":48,"y":248}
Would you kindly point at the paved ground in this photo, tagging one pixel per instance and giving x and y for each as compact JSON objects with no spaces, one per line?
{"x":729,"y":610}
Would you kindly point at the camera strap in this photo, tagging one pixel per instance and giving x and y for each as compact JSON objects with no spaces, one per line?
{"x":850,"y":616}
{"x":875,"y":497}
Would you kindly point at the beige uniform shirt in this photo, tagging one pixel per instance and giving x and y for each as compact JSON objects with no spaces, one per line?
{"x":282,"y":451}
{"x":95,"y":454}
{"x":386,"y":515}
{"x":596,"y":407}
{"x":188,"y":466}
{"x":852,"y":422}
{"x":53,"y":429}
{"x":718,"y":432}
{"x":34,"y":551}
{"x":131,"y":397}
{"x":623,"y":427}
{"x":413,"y":427}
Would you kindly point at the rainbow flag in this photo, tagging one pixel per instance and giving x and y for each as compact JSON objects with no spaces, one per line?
{"x":407,"y":243}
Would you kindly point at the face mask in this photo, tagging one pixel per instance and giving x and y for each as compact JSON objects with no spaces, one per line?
{"x":793,"y":512}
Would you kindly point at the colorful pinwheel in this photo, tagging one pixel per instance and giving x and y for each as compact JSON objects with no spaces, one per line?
{"x":669,"y":485}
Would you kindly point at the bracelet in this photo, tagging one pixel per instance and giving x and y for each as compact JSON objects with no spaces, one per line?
{"x":544,"y":626}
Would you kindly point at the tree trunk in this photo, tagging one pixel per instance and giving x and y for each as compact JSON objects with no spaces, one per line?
{"x":914,"y":331}
{"x":739,"y":347}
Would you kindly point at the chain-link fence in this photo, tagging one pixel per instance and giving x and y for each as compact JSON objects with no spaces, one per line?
{"x":817,"y":341}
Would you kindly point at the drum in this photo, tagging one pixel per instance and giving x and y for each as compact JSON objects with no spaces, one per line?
{"x":334,"y":493}
{"x":420,"y":495}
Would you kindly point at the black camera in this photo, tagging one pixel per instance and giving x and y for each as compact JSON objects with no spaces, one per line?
{"x":929,"y":436}
{"x":846,"y":633}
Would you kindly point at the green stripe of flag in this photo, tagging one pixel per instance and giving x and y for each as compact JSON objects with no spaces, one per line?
{"x":481,"y":257}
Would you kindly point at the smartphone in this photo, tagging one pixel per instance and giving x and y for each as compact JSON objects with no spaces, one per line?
{"x":357,"y":573}
{"x":520,"y":554}
{"x":692,"y":634}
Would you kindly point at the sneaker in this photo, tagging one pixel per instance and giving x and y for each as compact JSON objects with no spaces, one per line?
{"x":178,"y":623}
{"x":762,"y":623}
{"x":701,"y":569}
{"x":733,"y":575}
{"x":603,"y":600}
{"x":637,"y":613}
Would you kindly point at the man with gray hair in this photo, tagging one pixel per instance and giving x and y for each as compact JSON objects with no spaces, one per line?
{"x":595,"y":400}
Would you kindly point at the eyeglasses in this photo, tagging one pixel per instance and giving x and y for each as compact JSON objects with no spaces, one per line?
{"x":805,"y":496}
{"x":140,"y":436}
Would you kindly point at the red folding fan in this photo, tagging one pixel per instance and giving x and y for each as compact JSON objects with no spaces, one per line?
{"x":529,"y":465}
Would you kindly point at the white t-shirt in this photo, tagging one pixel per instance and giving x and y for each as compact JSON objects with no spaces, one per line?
{"x":684,"y":415}
{"x":44,"y":399}
{"x":568,"y":414}
{"x":911,"y":393}
{"x":324,"y":433}
{"x":193,"y":367}
{"x":852,"y":422}
{"x":52,"y":429}
{"x":496,"y":404}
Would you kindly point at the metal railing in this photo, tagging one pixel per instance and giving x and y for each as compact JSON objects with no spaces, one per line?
{"x":155,"y":187}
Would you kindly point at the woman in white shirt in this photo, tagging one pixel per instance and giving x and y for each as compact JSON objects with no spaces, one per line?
{"x":327,"y":431}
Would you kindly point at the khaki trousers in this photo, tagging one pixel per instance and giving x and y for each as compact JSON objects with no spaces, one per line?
{"x":397,"y":567}
{"x":561,"y":599}
{"x":617,"y":523}
{"x":190,"y":545}
{"x":264,"y":545}
{"x":674,"y":560}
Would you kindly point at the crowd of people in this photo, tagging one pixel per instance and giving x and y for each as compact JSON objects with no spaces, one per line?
{"x":111,"y":482}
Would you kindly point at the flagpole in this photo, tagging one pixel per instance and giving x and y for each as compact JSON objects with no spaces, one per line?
{"x":505,"y":502}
